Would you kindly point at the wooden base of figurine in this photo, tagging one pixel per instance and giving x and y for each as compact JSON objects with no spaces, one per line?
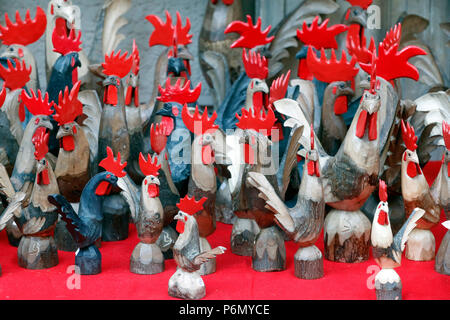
{"x":269,"y":252}
{"x":308,"y":263}
{"x":37,"y":252}
{"x":347,"y":236}
{"x":186,"y":285}
{"x":89,"y":260}
{"x":166,"y":241}
{"x":388,"y":285}
{"x":13,"y":233}
{"x":146,"y":258}
{"x":243,"y":236}
{"x":63,"y":238}
{"x":209,"y":266}
{"x":442,"y":262}
{"x":116,"y":217}
{"x":420,"y":245}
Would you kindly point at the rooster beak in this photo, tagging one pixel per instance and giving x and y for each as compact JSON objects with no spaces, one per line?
{"x":178,"y":216}
{"x":156,"y":181}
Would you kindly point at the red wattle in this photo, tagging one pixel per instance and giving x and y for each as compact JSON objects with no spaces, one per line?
{"x":21,"y":112}
{"x":249,"y":154}
{"x":413,"y":169}
{"x":42,"y":178}
{"x":448,"y":169}
{"x":168,"y":124}
{"x":382,"y":218}
{"x":68,"y":143}
{"x":361,"y":124}
{"x":279,"y":129}
{"x":207,"y":155}
{"x":340,"y":105}
{"x":180,"y":226}
{"x":103,"y":188}
{"x":128,"y":95}
{"x":110,"y":96}
{"x":153,"y":190}
{"x":74,"y":74}
{"x":258,"y":99}
{"x":373,"y":133}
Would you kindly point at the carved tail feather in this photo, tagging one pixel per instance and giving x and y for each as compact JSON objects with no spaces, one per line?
{"x":113,"y":22}
{"x":131,"y":194}
{"x":12,"y":209}
{"x":218,"y":74}
{"x":207,"y":255}
{"x":5,"y":183}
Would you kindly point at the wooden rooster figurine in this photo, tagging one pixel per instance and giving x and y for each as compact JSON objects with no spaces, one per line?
{"x":208,"y":148}
{"x":416,"y":193}
{"x":148,"y":214}
{"x":387,"y":249}
{"x":86,"y":226}
{"x":186,"y":282}
{"x":303,"y":222}
{"x":16,"y":36}
{"x":37,"y":248}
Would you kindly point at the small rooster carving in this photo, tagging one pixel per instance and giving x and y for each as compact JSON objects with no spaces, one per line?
{"x":186,"y":282}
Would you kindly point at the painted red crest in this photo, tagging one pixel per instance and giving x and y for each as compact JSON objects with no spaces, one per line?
{"x":149,"y":167}
{"x":356,"y":46}
{"x":360,"y":3}
{"x":256,"y":119}
{"x":69,"y":107}
{"x":446,"y":134}
{"x":190,"y":205}
{"x":331,"y":70}
{"x":256,"y":66}
{"x":117,"y":65}
{"x":64,"y":44}
{"x":279,"y":87}
{"x":37,"y":105}
{"x":409,"y":137}
{"x":198,"y":124}
{"x":392,"y":63}
{"x":23,"y":32}
{"x":15,"y":77}
{"x":168,"y":35}
{"x":113,"y":165}
{"x":178,"y":93}
{"x":40,"y":141}
{"x":382,"y":191}
{"x":320,"y":36}
{"x":250,"y":35}
{"x":158,"y":137}
{"x":136,"y":59}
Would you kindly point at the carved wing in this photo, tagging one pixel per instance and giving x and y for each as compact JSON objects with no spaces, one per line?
{"x":432,"y":109}
{"x":273,"y":202}
{"x":113,"y":22}
{"x":91,"y":125}
{"x":286,"y":34}
{"x":12,"y":209}
{"x":5,"y":184}
{"x":402,"y":235}
{"x":218,"y":74}
{"x":207,"y":255}
{"x":33,"y":225}
{"x":131,"y":194}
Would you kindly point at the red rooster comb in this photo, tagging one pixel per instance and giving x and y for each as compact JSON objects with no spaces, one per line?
{"x":250,"y":35}
{"x":117,"y":65}
{"x":36,"y":104}
{"x":168,"y":35}
{"x":15,"y":77}
{"x":178,"y":93}
{"x":446,"y":134}
{"x":256,"y":66}
{"x":64,"y":44}
{"x":360,"y":3}
{"x":2,"y":96}
{"x":190,"y":206}
{"x":373,"y":74}
{"x":23,"y":32}
{"x":382,"y":191}
{"x":149,"y":167}
{"x":136,"y":59}
{"x":69,"y":107}
{"x":331,"y":70}
{"x":198,"y":124}
{"x":279,"y":87}
{"x":320,"y":36}
{"x":112,"y":165}
{"x":158,"y":137}
{"x":255,"y":119}
{"x":392,"y":63}
{"x":40,"y":141}
{"x":356,"y":46}
{"x":409,"y":137}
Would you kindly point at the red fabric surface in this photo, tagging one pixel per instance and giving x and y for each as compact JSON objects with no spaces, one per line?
{"x":234,"y":279}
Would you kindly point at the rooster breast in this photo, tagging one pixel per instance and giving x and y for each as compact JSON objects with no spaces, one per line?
{"x":150,"y":220}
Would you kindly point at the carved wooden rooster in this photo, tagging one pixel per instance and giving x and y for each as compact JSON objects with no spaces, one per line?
{"x":416,"y":193}
{"x":442,"y":262}
{"x":387,"y":249}
{"x":37,"y":248}
{"x":18,"y":35}
{"x":186,"y":282}
{"x":208,"y":149}
{"x":86,"y":226}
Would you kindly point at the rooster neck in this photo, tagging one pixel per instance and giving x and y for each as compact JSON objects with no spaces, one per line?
{"x":41,"y":192}
{"x":203,"y":175}
{"x":188,"y":242}
{"x":412,"y":188}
